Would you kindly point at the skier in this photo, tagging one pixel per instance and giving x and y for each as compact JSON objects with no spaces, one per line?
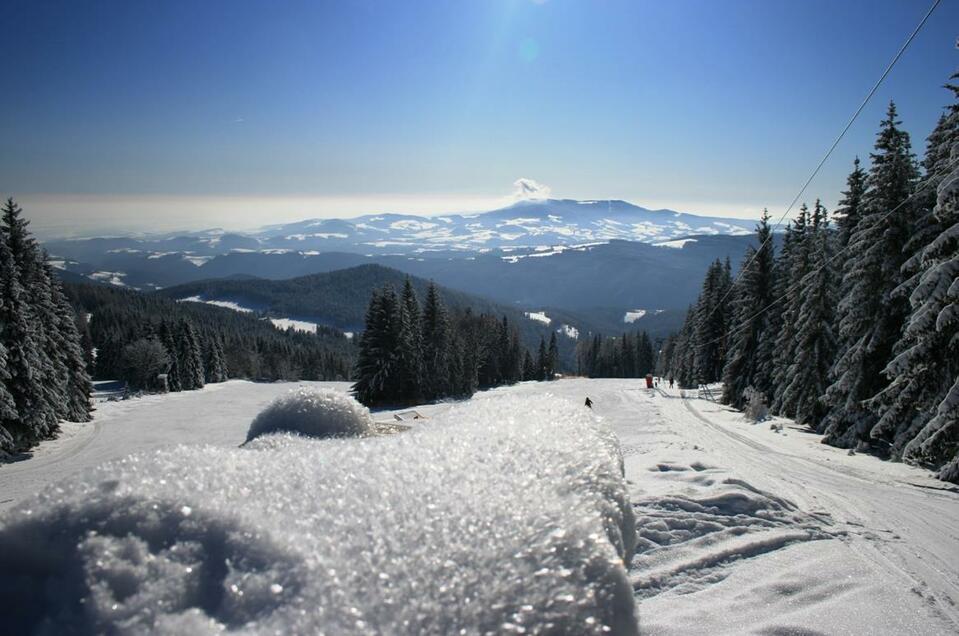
{"x":670,"y":383}
{"x":589,"y":403}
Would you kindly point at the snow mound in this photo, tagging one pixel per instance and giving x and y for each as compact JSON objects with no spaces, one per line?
{"x":313,"y":412}
{"x":505,"y":515}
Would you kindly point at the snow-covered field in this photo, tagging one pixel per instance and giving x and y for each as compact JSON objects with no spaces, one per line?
{"x":741,"y":529}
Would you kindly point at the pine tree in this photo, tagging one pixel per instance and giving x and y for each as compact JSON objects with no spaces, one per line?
{"x":552,"y":358}
{"x":409,"y":359}
{"x":849,"y":210}
{"x":542,"y":361}
{"x":645,"y":357}
{"x":786,"y":347}
{"x":26,"y":422}
{"x":750,"y":318}
{"x":919,"y":410}
{"x":436,"y":346}
{"x":78,"y":386}
{"x":529,"y":367}
{"x":214,"y":365}
{"x":169,"y":341}
{"x":709,"y":325}
{"x":815,"y":343}
{"x":189,"y":357}
{"x":870,"y":315}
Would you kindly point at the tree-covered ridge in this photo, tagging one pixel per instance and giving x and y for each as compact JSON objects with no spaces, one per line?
{"x":43,"y":373}
{"x":410,"y":353}
{"x":852,"y":331}
{"x":340,"y":298}
{"x":201,"y":343}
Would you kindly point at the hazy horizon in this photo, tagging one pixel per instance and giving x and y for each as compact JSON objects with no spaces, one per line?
{"x":137,"y":117}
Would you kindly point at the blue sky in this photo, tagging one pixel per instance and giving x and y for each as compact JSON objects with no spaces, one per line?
{"x":142,"y":115}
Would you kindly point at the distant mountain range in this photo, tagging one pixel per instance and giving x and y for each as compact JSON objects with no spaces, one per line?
{"x":600,"y":260}
{"x":525,"y":224}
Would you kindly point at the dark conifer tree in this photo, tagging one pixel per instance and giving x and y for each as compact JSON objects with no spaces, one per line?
{"x":870,"y":315}
{"x":750,"y":318}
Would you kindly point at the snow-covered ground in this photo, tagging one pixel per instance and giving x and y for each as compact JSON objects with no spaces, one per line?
{"x":741,"y":529}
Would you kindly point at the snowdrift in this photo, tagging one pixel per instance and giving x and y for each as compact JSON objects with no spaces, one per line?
{"x":504,"y":515}
{"x":313,"y":412}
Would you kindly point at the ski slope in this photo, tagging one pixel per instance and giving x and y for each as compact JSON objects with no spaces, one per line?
{"x":741,"y":529}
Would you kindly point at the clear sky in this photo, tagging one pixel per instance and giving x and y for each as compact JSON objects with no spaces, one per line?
{"x":153,"y":115}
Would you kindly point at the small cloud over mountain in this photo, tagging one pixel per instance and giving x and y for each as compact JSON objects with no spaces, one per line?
{"x":527,"y":189}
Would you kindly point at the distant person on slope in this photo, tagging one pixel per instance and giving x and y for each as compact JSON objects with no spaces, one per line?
{"x":670,"y":383}
{"x":589,"y":403}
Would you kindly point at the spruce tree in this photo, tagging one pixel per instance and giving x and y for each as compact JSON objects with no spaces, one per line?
{"x":542,"y":360}
{"x":436,"y":346}
{"x":25,"y":423}
{"x":815,"y":341}
{"x":529,"y":367}
{"x":750,"y":318}
{"x":189,"y":357}
{"x":552,"y":358}
{"x":78,"y":386}
{"x":795,"y":265}
{"x":409,"y":358}
{"x":871,"y":316}
{"x":919,"y":410}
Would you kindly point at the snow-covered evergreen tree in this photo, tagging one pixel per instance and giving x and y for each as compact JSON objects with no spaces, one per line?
{"x":849,"y":210}
{"x":436,"y":346}
{"x":214,"y":363}
{"x":795,"y":265}
{"x":870,"y":315}
{"x":27,"y":422}
{"x":409,"y":358}
{"x":709,"y":324}
{"x":78,"y":386}
{"x":189,"y":357}
{"x":814,"y":349}
{"x":749,"y":317}
{"x":168,"y":339}
{"x":919,"y":410}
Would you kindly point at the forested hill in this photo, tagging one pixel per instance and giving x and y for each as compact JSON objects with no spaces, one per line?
{"x":112,"y":319}
{"x":340,"y":298}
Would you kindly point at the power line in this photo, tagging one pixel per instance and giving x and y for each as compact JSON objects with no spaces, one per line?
{"x":835,"y":143}
{"x":747,"y":322}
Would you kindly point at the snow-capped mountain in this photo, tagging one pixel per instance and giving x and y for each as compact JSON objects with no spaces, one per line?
{"x":533,"y":223}
{"x":525,"y":224}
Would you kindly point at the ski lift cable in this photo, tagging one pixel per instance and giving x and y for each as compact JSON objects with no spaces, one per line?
{"x":835,"y":143}
{"x":748,"y":321}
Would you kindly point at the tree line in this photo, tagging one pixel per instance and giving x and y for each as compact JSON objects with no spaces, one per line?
{"x":853,"y":327}
{"x":135,"y":337}
{"x":628,"y":356}
{"x":410,"y":353}
{"x":43,"y":374}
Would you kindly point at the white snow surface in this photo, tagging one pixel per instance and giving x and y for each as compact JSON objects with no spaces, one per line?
{"x":505,"y":515}
{"x":296,"y":325}
{"x":675,"y":244}
{"x":313,"y":412}
{"x":742,"y":529}
{"x":634,"y":315}
{"x":226,"y":304}
{"x":538,"y":316}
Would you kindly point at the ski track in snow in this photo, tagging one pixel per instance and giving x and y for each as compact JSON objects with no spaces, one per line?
{"x":741,"y":529}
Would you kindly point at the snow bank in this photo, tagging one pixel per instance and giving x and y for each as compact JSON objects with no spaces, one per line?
{"x":505,"y":515}
{"x":313,"y":413}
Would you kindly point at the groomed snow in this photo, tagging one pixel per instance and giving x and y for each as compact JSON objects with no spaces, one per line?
{"x":505,"y":515}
